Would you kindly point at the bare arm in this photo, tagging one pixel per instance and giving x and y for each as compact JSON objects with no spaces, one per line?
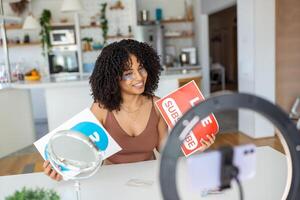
{"x":162,"y":128}
{"x":162,"y":133}
{"x":99,"y":112}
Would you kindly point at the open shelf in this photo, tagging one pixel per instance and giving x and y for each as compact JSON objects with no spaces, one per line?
{"x":119,"y":36}
{"x":59,"y":24}
{"x":166,"y":21}
{"x":92,"y":51}
{"x":179,"y":36}
{"x":24,"y":44}
{"x":90,"y":26}
{"x":185,"y":67}
{"x":13,"y":26}
{"x":19,"y":26}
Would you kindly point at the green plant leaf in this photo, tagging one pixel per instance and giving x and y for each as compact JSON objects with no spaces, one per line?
{"x":36,"y":194}
{"x":45,"y":30}
{"x":104,"y":22}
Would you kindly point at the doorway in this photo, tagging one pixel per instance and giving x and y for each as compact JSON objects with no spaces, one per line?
{"x":223,"y":50}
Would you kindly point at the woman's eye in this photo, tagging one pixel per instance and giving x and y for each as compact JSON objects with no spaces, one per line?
{"x":142,"y":69}
{"x":127,"y":72}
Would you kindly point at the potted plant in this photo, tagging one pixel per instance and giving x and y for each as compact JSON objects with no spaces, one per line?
{"x":26,"y":39}
{"x":104,"y":22}
{"x":87,"y":43}
{"x":38,"y":194}
{"x":45,"y":30}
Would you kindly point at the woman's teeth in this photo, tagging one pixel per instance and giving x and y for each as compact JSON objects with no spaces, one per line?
{"x":138,"y":85}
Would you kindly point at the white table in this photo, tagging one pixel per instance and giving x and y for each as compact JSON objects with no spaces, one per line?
{"x":110,"y":181}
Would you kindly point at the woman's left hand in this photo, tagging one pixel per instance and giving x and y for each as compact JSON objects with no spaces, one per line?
{"x":207,"y":143}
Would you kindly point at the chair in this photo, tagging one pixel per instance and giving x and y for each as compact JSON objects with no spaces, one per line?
{"x":183,"y":81}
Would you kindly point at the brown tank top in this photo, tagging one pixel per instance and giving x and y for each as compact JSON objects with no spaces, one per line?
{"x":134,"y":149}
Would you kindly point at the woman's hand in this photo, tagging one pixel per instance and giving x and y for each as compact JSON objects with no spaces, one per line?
{"x":49,"y":171}
{"x":207,"y":143}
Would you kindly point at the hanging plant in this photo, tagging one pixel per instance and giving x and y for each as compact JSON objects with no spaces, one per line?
{"x":45,"y":30}
{"x":104,"y":23}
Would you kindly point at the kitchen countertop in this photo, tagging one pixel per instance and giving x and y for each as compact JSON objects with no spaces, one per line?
{"x":4,"y":86}
{"x":71,"y":81}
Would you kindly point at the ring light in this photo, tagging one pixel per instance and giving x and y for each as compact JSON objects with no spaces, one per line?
{"x":288,"y":135}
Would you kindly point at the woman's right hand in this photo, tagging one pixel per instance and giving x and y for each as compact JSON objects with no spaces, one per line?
{"x":49,"y":171}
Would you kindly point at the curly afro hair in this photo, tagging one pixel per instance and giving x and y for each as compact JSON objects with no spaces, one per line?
{"x":110,"y":65}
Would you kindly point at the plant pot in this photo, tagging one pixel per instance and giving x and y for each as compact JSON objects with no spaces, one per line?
{"x":87,"y":46}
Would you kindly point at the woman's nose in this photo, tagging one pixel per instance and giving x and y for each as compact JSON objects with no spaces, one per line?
{"x":138,"y":75}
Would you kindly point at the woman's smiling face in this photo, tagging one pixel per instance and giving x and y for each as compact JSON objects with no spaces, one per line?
{"x":134,"y":79}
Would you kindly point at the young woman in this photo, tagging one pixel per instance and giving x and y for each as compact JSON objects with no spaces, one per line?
{"x":123,"y":82}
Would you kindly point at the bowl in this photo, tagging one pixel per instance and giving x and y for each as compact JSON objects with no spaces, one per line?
{"x":97,"y":46}
{"x":32,"y":78}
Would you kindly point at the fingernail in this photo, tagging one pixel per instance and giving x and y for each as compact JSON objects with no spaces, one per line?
{"x":45,"y":163}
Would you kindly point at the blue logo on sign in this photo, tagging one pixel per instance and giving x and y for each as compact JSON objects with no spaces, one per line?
{"x":94,"y":132}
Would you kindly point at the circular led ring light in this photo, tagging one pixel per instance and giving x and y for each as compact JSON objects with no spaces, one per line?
{"x":289,"y":136}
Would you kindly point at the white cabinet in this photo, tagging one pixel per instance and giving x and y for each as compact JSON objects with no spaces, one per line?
{"x":16,"y":121}
{"x":38,"y":105}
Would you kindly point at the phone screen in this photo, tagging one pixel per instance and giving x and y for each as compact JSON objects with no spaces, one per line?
{"x":204,"y":170}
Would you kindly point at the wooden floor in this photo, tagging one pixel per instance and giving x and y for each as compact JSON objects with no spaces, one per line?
{"x":233,"y":139}
{"x":218,"y":87}
{"x":32,"y":162}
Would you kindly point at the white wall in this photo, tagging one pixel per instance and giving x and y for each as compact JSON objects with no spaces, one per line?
{"x":212,"y":6}
{"x":202,"y":42}
{"x":256,"y":60}
{"x":27,"y":58}
{"x":38,"y":6}
{"x":90,"y":8}
{"x":174,"y":8}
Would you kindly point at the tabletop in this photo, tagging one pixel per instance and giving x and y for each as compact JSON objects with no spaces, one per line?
{"x":141,"y":181}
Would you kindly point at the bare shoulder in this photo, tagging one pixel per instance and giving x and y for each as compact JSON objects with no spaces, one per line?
{"x":99,"y":111}
{"x":155,"y":98}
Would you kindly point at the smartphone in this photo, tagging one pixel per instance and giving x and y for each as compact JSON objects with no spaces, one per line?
{"x":204,"y":170}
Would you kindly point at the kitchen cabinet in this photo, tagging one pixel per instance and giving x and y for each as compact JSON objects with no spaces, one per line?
{"x":16,"y":120}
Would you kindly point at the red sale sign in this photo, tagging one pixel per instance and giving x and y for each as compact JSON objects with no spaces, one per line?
{"x":174,"y":105}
